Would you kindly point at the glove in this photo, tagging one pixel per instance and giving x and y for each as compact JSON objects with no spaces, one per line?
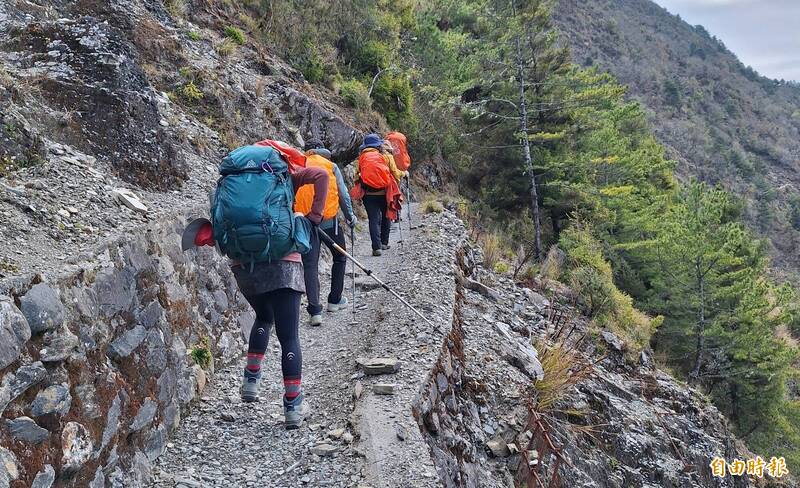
{"x":352,"y":222}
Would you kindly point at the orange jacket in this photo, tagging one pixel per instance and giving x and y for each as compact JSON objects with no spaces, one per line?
{"x":305,"y":194}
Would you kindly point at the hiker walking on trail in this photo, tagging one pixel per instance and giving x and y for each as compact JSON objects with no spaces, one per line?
{"x":338,"y":198}
{"x":377,"y":178}
{"x":253,"y":223}
{"x":399,"y":147}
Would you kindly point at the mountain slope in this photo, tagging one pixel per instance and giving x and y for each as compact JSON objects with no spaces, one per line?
{"x":720,"y":120}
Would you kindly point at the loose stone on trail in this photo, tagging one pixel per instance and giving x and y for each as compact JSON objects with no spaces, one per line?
{"x":324,"y":450}
{"x":374,"y":366}
{"x":384,"y":389}
{"x":123,"y":196}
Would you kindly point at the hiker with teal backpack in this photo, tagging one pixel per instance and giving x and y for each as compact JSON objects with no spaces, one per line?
{"x":253,"y":223}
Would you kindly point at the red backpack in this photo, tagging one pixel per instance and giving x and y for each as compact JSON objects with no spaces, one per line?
{"x":294,"y":156}
{"x":373,"y":170}
{"x":400,"y":148}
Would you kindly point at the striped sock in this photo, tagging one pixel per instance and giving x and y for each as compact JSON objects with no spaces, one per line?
{"x":292,"y":386}
{"x":254,"y":362}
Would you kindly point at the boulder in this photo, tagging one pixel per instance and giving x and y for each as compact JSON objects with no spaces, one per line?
{"x":145,"y":415}
{"x":27,"y":430}
{"x":9,"y":471}
{"x":498,"y":447}
{"x":17,"y":383}
{"x":124,"y":345}
{"x":59,"y":345}
{"x":45,"y":478}
{"x":76,"y":446}
{"x":42,"y":308}
{"x":112,"y":421}
{"x":613,"y":341}
{"x":14,"y":332}
{"x":54,"y":399}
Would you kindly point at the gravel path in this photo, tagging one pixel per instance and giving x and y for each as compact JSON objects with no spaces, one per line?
{"x":352,"y":437}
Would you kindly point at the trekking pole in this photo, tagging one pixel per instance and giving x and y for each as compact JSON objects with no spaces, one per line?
{"x":368,"y":272}
{"x":353,"y":272}
{"x":400,"y":227}
{"x":408,"y":194}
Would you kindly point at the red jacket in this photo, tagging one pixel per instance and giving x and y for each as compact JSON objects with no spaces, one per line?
{"x":394,"y":197}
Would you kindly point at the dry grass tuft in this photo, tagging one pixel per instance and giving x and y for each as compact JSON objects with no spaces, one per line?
{"x":564,"y":368}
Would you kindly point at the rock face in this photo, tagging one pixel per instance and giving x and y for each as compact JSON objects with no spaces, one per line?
{"x":114,"y":368}
{"x":118,"y":113}
{"x":647,"y":430}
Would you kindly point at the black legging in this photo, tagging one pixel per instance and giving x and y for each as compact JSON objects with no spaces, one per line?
{"x":282,"y":308}
{"x":379,"y":224}
{"x":311,"y":269}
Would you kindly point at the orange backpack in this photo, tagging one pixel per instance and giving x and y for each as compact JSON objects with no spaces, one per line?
{"x":374,"y":170}
{"x":294,"y":156}
{"x":305,"y":194}
{"x":400,"y":149}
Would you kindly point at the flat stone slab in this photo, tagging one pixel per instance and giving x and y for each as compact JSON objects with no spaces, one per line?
{"x":324,"y":450}
{"x":384,"y":388}
{"x":379,"y":365}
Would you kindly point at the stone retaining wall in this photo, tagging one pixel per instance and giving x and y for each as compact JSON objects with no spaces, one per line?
{"x":95,"y":363}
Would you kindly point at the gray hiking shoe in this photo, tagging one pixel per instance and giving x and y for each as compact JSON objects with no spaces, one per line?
{"x":376,"y":252}
{"x":293,"y":412}
{"x":315,"y":320}
{"x":250,"y":385}
{"x":335,"y":307}
{"x":385,"y":246}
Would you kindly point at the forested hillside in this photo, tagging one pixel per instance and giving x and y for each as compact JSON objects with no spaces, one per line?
{"x":561,"y":165}
{"x":720,"y":120}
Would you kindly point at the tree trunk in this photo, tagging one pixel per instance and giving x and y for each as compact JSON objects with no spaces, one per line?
{"x":701,"y":326}
{"x":526,"y":146}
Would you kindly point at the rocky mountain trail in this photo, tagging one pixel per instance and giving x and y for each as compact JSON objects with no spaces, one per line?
{"x":360,"y":380}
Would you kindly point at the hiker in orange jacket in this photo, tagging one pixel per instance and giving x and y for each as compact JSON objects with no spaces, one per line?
{"x":378,"y":176}
{"x":338,"y":198}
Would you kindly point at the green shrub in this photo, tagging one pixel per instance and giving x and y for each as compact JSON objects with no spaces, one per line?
{"x":393,"y":97}
{"x":355,"y":94}
{"x":591,"y":276}
{"x":226,"y":48}
{"x":235,"y":35}
{"x":432,"y":206}
{"x":501,"y":267}
{"x":191,"y":92}
{"x":194,"y":35}
{"x":368,"y":57}
{"x":176,"y":8}
{"x":201,"y":354}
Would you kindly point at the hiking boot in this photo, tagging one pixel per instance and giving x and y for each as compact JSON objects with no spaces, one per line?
{"x":385,"y":246}
{"x":250,"y":385}
{"x":315,"y":320}
{"x":293,"y":412}
{"x":376,"y":252}
{"x":335,"y":307}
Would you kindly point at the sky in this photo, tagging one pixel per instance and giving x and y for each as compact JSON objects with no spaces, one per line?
{"x":765,"y":34}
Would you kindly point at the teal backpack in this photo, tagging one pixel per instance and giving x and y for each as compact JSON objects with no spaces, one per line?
{"x":252,"y":208}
